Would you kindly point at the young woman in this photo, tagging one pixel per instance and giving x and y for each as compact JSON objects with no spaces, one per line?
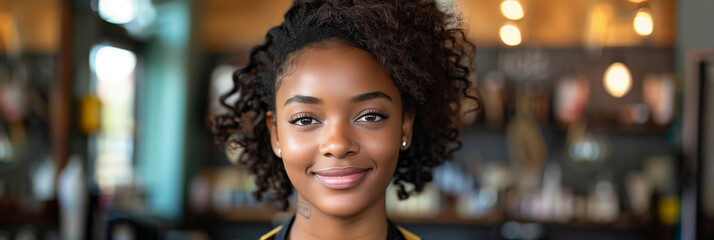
{"x":344,"y":97}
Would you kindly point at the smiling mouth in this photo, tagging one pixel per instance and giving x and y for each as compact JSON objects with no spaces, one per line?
{"x":341,"y":178}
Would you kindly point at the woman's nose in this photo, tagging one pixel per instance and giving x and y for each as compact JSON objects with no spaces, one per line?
{"x":337,"y":141}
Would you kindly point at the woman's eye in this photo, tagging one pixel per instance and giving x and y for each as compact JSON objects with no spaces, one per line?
{"x":371,"y":117}
{"x":304,"y":121}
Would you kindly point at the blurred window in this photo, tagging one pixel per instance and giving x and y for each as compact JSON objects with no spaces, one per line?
{"x":114,"y":81}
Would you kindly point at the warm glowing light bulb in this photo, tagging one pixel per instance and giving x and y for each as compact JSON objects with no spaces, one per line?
{"x":618,"y":80}
{"x":512,"y":9}
{"x":510,"y":35}
{"x":643,"y":22}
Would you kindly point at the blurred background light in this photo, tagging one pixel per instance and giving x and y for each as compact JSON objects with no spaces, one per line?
{"x":618,"y":80}
{"x":112,"y":63}
{"x":117,"y":11}
{"x":510,"y":35}
{"x":512,"y":9}
{"x":586,"y":149}
{"x":5,"y":148}
{"x":643,"y":22}
{"x":221,"y":79}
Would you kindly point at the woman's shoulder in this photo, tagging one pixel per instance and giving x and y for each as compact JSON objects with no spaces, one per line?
{"x":272,"y":234}
{"x":395,"y":232}
{"x":280,"y":232}
{"x":407,"y":234}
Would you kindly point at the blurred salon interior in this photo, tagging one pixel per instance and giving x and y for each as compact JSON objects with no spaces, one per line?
{"x":596,"y":121}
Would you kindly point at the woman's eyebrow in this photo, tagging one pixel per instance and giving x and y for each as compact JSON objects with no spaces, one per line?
{"x":369,"y":96}
{"x":303,"y":99}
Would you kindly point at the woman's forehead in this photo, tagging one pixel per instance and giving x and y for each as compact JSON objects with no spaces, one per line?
{"x":339,"y":71}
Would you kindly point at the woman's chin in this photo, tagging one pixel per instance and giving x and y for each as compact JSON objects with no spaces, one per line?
{"x":342,"y":207}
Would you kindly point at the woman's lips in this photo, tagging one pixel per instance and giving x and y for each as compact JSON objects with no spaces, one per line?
{"x":341,"y":178}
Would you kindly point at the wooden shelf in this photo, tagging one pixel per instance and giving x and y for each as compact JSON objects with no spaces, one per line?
{"x":13,"y":212}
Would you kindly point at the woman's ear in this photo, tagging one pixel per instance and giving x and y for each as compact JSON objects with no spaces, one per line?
{"x":271,"y":122}
{"x":407,"y":125}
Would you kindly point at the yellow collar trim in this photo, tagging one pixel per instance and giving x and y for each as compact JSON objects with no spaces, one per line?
{"x":272,"y":233}
{"x":408,"y":235}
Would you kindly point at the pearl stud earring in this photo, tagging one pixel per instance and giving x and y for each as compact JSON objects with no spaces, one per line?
{"x":280,"y":152}
{"x":404,"y":144}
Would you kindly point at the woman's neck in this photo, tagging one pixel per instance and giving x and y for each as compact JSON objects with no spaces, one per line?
{"x":368,"y":224}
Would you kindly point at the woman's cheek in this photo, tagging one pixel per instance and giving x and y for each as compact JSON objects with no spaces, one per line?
{"x":299,"y":147}
{"x":382,"y":146}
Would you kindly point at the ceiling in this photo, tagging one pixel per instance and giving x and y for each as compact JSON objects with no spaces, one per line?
{"x":237,"y":25}
{"x":227,"y":25}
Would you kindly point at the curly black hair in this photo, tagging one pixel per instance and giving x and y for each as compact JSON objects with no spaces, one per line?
{"x":423,"y":48}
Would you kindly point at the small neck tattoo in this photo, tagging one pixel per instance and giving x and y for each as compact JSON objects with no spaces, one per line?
{"x":304,"y":209}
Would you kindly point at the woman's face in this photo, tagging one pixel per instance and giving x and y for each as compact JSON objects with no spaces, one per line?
{"x":339,"y":126}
